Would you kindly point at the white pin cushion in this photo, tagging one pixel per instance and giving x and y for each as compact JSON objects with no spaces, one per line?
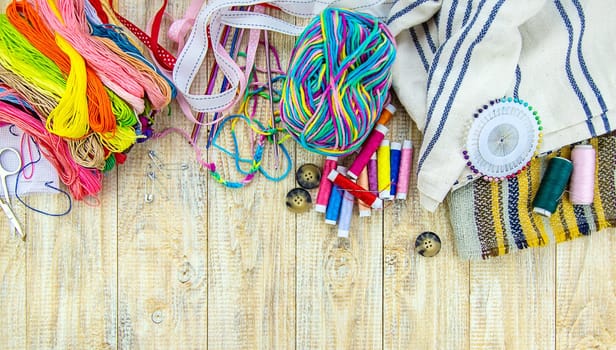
{"x":503,"y":138}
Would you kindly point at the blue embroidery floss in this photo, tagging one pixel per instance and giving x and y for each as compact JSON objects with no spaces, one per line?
{"x":552,"y":186}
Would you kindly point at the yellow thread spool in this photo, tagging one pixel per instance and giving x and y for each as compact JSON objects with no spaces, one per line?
{"x":383,"y":168}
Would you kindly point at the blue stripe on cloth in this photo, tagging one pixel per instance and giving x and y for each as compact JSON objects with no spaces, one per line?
{"x":456,"y":87}
{"x":452,"y":12}
{"x":518,"y":80}
{"x":587,"y":75}
{"x":437,"y":56}
{"x":405,"y":10}
{"x":420,"y":51}
{"x":426,"y":29}
{"x":572,"y":80}
{"x":514,"y":217}
{"x":456,"y":47}
{"x":580,"y":219}
{"x":467,"y":12}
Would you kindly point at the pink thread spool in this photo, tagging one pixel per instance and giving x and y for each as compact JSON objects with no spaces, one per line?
{"x":372,"y":143}
{"x":406,"y":162}
{"x":362,"y":180}
{"x":325,"y":187}
{"x":582,"y":184}
{"x":373,"y":184}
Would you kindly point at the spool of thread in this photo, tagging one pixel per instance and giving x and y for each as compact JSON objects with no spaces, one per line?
{"x":354,"y":189}
{"x":325,"y":187}
{"x":332,"y":212}
{"x":387,"y":114}
{"x":346,"y":213}
{"x":406,"y":161}
{"x":394,"y":167}
{"x":373,"y":182}
{"x":552,"y":186}
{"x":372,"y":143}
{"x":582,"y":185}
{"x":362,"y":181}
{"x":337,"y":82}
{"x":383,"y":166}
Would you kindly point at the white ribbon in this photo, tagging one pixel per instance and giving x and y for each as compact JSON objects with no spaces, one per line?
{"x":217,"y":14}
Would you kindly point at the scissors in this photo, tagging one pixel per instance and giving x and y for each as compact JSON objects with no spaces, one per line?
{"x":6,"y":203}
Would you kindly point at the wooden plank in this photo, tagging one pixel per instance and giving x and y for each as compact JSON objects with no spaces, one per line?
{"x":512,"y":301}
{"x":425,"y":298}
{"x":586,"y":292}
{"x":72,"y":273}
{"x":162,"y":252}
{"x":339,"y":280}
{"x":12,"y":277}
{"x":12,"y":284}
{"x":251,"y":249}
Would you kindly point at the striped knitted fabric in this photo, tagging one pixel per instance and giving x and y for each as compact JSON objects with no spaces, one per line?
{"x":494,"y":218}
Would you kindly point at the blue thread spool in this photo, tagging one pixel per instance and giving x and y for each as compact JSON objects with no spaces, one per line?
{"x":333,"y":205}
{"x":332,"y":213}
{"x":552,"y":186}
{"x":394,"y":168}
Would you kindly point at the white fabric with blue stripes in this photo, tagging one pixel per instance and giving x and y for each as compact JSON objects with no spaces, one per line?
{"x":454,"y":56}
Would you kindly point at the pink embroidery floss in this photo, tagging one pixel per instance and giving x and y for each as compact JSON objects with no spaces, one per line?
{"x":582,"y":184}
{"x":80,"y":181}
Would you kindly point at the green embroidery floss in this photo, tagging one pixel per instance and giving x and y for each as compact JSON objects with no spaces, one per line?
{"x":552,"y":186}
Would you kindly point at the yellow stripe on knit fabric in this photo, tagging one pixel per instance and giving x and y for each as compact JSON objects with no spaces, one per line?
{"x":496,"y":214}
{"x":533,"y":225}
{"x":597,"y":205}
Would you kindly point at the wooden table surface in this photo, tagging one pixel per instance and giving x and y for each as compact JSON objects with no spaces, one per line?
{"x":210,"y":267}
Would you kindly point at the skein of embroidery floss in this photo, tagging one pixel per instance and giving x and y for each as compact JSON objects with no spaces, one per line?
{"x":338,"y":80}
{"x":582,"y":184}
{"x":552,"y":186}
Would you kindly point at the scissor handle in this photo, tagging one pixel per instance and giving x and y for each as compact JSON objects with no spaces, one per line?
{"x":4,"y":171}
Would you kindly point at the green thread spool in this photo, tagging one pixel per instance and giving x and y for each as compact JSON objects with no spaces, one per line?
{"x":552,"y":186}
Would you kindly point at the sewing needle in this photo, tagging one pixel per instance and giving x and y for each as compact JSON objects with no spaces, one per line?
{"x":271,"y":99}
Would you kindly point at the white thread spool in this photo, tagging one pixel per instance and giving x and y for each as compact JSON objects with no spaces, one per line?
{"x":582,"y":184}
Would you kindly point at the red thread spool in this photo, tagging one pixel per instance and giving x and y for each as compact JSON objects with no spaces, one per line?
{"x":357,"y":191}
{"x":582,"y":184}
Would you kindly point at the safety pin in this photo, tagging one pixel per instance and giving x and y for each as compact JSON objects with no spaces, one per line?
{"x":149,"y":192}
{"x":155,"y":160}
{"x":154,"y":181}
{"x":166,"y":167}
